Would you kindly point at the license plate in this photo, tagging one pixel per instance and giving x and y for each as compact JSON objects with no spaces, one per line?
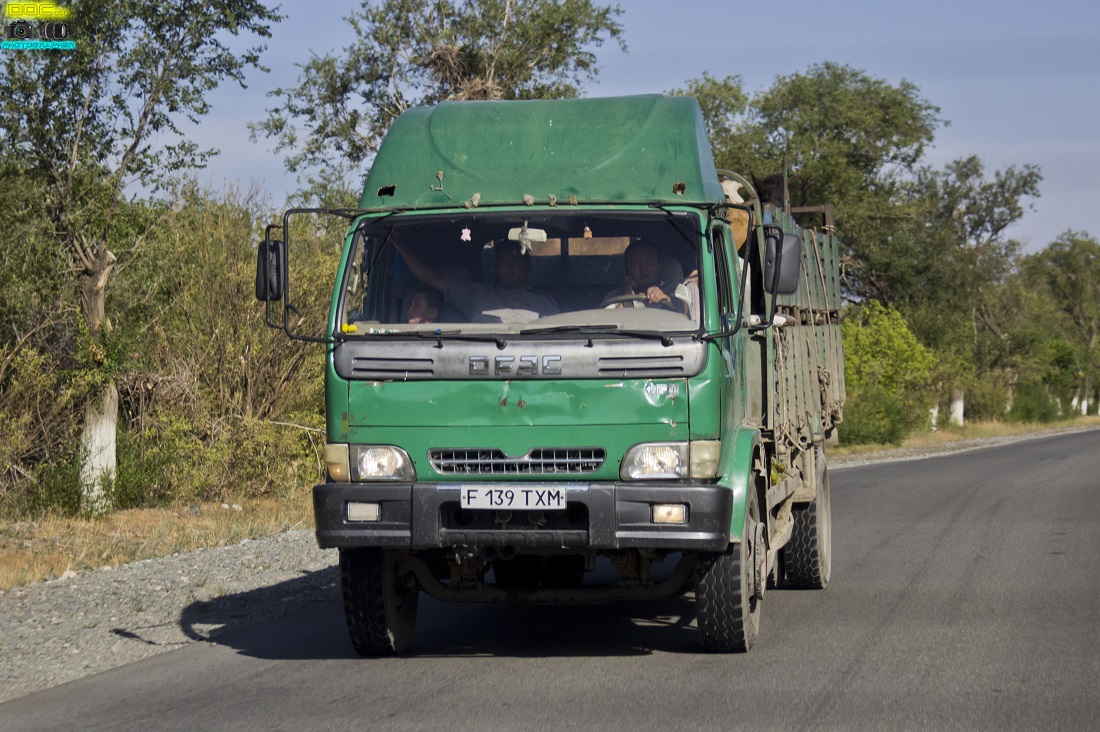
{"x":513,"y":498}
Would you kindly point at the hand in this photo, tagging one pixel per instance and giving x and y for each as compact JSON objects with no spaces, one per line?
{"x":657,"y":296}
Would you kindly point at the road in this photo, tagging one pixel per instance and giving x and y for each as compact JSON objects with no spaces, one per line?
{"x":965,"y":595}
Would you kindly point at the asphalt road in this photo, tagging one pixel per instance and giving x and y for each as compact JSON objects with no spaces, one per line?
{"x":965,"y":595}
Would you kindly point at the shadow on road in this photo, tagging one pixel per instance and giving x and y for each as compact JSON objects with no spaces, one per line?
{"x":303,"y":618}
{"x":212,"y":620}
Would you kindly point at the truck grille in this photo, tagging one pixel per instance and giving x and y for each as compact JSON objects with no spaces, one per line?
{"x":543,"y":461}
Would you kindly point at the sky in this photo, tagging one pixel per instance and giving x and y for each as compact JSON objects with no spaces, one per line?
{"x":1016,"y":82}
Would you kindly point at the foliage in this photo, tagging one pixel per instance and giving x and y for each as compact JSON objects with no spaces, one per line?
{"x":81,"y":125}
{"x":1033,"y":403}
{"x":957,"y":237}
{"x":881,"y":352}
{"x":841,"y":130}
{"x":37,"y":400}
{"x":214,"y":393}
{"x":137,"y":69}
{"x":419,"y":52}
{"x":1068,"y":272}
{"x":212,"y":402}
{"x":887,"y":373}
{"x":843,"y":136}
{"x":872,"y":415}
{"x":929,"y":242}
{"x":724,"y":104}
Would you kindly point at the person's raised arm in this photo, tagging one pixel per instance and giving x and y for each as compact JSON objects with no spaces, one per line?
{"x":424,"y":272}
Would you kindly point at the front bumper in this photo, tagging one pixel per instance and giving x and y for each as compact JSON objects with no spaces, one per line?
{"x":599,"y":516}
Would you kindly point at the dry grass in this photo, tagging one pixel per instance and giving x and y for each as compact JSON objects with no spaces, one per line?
{"x":974,"y":431}
{"x":32,"y":551}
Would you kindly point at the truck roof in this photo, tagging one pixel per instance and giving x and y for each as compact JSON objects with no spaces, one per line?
{"x":634,"y":149}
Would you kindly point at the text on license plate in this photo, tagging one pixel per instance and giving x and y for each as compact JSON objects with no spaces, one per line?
{"x":512,"y":497}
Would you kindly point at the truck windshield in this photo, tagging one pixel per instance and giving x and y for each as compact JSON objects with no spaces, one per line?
{"x":525,"y":271}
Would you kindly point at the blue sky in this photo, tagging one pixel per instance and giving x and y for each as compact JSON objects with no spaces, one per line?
{"x":1018,"y":82}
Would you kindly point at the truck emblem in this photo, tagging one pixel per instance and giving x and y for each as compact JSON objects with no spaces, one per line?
{"x":521,"y":366}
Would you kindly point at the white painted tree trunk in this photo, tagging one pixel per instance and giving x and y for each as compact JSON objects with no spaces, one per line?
{"x":957,"y":404}
{"x":98,"y":439}
{"x":98,"y":442}
{"x":934,"y":415}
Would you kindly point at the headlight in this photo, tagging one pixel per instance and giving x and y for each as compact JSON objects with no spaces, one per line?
{"x":655,"y":461}
{"x":381,"y":462}
{"x":671,"y":460}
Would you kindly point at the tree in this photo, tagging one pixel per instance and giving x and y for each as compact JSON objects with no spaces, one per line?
{"x":419,"y":52}
{"x":1069,"y":269}
{"x":843,"y":137}
{"x":947,"y":268}
{"x":85,"y":124}
{"x":724,"y":104}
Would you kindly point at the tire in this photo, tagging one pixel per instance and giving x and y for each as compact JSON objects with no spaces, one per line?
{"x":728,"y":605}
{"x":379,"y":604}
{"x":808,"y":557}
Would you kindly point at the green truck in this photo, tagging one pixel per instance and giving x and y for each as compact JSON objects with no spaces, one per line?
{"x":567,"y":363}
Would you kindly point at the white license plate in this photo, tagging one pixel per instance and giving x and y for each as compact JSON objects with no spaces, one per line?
{"x":513,"y":497}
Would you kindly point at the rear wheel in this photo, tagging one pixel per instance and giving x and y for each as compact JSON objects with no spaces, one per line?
{"x":808,"y":557}
{"x":726,"y":592}
{"x":379,"y":601}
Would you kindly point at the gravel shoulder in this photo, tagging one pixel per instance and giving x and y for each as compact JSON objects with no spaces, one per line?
{"x":83,"y":623}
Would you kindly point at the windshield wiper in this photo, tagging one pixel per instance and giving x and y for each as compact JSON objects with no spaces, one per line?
{"x":652,"y":335}
{"x":609,"y":329}
{"x":582,"y":328}
{"x":438,"y":335}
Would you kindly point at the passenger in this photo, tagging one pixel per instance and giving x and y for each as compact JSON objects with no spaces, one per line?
{"x":424,"y":306}
{"x":643,"y":278}
{"x":510,"y":300}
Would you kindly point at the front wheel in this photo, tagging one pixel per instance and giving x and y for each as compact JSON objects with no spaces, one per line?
{"x":379,"y":601}
{"x":809,"y":554}
{"x":726,"y":590}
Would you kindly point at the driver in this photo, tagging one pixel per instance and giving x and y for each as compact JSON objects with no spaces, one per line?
{"x":642,"y":278}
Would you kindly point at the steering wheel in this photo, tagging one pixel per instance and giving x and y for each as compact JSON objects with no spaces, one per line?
{"x":630,"y":299}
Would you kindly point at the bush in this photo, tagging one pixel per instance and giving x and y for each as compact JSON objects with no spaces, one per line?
{"x":987,"y":397}
{"x":884,"y":360}
{"x":872,"y":415}
{"x":1033,"y":403}
{"x":212,"y":403}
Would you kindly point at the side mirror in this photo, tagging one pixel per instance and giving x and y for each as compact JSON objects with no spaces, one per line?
{"x":782,"y":261}
{"x":270,"y":263}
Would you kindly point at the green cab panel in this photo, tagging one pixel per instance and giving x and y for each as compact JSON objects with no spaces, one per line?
{"x":518,"y":403}
{"x":634,"y":149}
{"x":517,"y":417}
